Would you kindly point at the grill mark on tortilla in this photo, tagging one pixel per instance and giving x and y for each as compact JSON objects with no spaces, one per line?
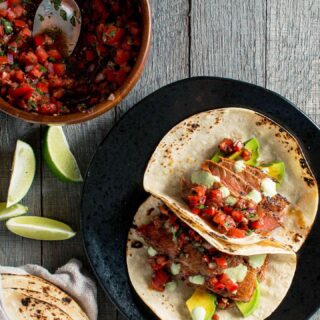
{"x":25,"y":302}
{"x":137,"y":244}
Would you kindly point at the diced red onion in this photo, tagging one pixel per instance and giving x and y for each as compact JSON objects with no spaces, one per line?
{"x":28,"y":68}
{"x":50,"y":68}
{"x":4,"y":5}
{"x":10,"y":58}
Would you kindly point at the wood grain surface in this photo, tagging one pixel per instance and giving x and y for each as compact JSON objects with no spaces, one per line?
{"x":273,"y":43}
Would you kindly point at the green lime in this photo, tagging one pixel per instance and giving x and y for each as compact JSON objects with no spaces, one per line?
{"x":59,"y":159}
{"x":13,"y":211}
{"x":39,"y":228}
{"x":23,"y":171}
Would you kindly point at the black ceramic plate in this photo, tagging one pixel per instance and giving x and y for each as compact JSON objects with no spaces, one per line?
{"x":113,"y":189}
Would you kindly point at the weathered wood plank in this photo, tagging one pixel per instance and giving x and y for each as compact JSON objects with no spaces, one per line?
{"x":62,"y":201}
{"x":293,"y":64}
{"x":228,"y":39}
{"x":14,"y":250}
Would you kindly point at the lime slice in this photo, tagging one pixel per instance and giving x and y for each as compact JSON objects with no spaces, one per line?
{"x":39,"y":228}
{"x":59,"y":159}
{"x":23,"y":171}
{"x":13,"y":211}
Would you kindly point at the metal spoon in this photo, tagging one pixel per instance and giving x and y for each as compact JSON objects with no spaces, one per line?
{"x":62,"y":16}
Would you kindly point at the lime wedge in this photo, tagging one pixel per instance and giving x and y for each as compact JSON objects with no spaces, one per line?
{"x":23,"y":171}
{"x":13,"y":211}
{"x":59,"y":159}
{"x":39,"y":228}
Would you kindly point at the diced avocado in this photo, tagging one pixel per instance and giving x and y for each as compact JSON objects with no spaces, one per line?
{"x":202,"y":301}
{"x":204,"y":178}
{"x":275,"y":170}
{"x":252,"y":145}
{"x":247,"y":308}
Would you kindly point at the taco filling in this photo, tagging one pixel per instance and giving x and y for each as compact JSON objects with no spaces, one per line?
{"x":177,"y":252}
{"x":234,"y":196}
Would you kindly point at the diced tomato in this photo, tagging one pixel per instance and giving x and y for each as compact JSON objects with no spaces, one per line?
{"x":219,"y":286}
{"x":133,"y":28}
{"x":48,"y":109}
{"x":43,"y":87}
{"x":236,"y":233}
{"x":122,"y":56}
{"x":3,"y":13}
{"x":28,"y":58}
{"x":159,"y":279}
{"x":112,"y":34}
{"x":13,"y":3}
{"x":238,"y":146}
{"x":221,"y":262}
{"x":23,"y":91}
{"x":237,"y":215}
{"x":13,"y":48}
{"x":25,"y":33}
{"x":215,"y":317}
{"x":101,"y":49}
{"x":55,"y":54}
{"x":41,"y":54}
{"x":18,"y":75}
{"x":245,"y":154}
{"x":59,"y":68}
{"x":18,"y":11}
{"x":55,"y":82}
{"x":158,"y":262}
{"x":227,"y":209}
{"x":38,"y":40}
{"x":193,"y":201}
{"x":10,"y":15}
{"x":230,"y":285}
{"x":199,"y":191}
{"x":226,"y":146}
{"x":215,"y":195}
{"x":20,"y":23}
{"x":210,"y":211}
{"x":36,"y":72}
{"x":89,"y":55}
{"x":1,"y":30}
{"x":213,"y":281}
{"x":220,"y":218}
{"x":90,"y":39}
{"x":3,"y":60}
{"x":196,"y":210}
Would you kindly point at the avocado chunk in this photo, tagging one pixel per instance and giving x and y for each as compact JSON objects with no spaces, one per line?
{"x":275,"y":170}
{"x":252,"y":145}
{"x":202,"y":305}
{"x":247,"y":308}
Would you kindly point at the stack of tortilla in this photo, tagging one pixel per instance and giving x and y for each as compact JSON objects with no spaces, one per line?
{"x":182,"y":151}
{"x":27,"y":297}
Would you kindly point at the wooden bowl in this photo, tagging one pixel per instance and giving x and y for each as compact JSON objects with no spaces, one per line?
{"x":106,"y":105}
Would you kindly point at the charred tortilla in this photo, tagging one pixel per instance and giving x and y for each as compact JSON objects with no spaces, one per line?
{"x":36,"y":288}
{"x":196,"y":139}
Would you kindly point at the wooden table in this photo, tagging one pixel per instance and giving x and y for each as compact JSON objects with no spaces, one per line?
{"x":272,"y":43}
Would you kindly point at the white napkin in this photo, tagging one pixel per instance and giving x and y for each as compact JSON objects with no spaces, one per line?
{"x":69,"y":278}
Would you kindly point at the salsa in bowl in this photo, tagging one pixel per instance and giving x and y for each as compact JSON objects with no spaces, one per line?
{"x":40,"y":83}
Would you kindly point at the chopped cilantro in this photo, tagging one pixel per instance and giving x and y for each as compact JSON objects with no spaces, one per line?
{"x":248,"y":232}
{"x":43,"y":69}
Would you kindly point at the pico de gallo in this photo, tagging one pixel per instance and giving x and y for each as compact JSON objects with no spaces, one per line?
{"x":233,"y":196}
{"x":177,"y":252}
{"x":36,"y":76}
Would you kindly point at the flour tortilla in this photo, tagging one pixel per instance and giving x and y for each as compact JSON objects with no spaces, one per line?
{"x":171,"y":306}
{"x":196,"y":139}
{"x":41,"y":291}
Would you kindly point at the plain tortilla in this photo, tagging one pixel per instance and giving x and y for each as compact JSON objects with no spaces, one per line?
{"x":171,"y":306}
{"x":41,"y":290}
{"x":196,"y":139}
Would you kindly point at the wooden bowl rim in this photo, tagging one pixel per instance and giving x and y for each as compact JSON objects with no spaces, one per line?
{"x":106,"y":105}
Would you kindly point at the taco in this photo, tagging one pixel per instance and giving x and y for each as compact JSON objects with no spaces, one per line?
{"x":33,"y":296}
{"x":239,"y":179}
{"x":180,"y":275}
